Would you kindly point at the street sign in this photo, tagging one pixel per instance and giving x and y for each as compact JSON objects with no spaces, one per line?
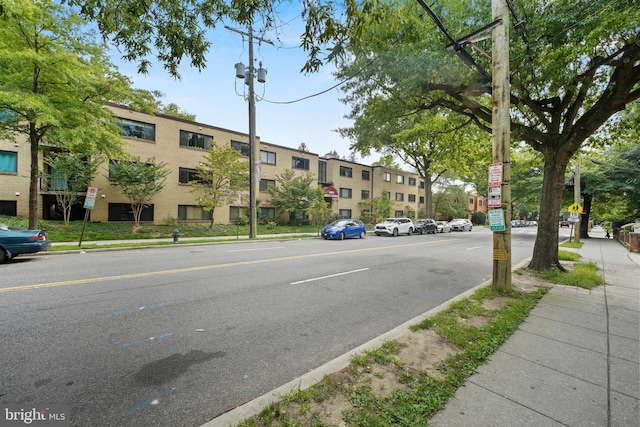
{"x":495,"y":196}
{"x":575,"y":208}
{"x":574,"y":217}
{"x":90,"y":199}
{"x":495,"y":173}
{"x":496,"y":220}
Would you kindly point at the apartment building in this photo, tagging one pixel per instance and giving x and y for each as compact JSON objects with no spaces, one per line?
{"x":181,"y":145}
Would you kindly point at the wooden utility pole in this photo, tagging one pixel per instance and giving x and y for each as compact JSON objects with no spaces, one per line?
{"x":501,"y":137}
{"x":576,"y":199}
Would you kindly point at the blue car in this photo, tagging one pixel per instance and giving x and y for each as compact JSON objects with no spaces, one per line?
{"x":14,"y":242}
{"x":344,"y":228}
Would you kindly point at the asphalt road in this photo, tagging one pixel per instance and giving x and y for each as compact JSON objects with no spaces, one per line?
{"x":173,"y":336}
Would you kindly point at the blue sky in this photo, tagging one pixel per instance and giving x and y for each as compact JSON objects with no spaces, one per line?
{"x":215,"y":95}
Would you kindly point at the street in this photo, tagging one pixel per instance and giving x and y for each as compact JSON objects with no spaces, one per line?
{"x":174,"y":336}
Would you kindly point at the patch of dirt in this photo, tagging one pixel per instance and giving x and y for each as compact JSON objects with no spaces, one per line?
{"x":423,"y":351}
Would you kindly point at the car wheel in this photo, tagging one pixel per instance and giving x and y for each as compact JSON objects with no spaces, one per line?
{"x":470,"y":228}
{"x":410,"y":232}
{"x":377,"y":234}
{"x":395,"y":232}
{"x":362,"y":234}
{"x":3,"y":255}
{"x":422,"y":231}
{"x":341,"y":237}
{"x":325,"y":237}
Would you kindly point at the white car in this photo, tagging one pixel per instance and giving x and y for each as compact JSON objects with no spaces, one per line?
{"x":395,"y":226}
{"x":443,"y":227}
{"x":460,"y":224}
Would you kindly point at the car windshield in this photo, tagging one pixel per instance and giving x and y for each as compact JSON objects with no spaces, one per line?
{"x":340,"y":223}
{"x":391,"y":220}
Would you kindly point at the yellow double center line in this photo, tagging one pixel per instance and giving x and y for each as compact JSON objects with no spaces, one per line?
{"x":200,"y":268}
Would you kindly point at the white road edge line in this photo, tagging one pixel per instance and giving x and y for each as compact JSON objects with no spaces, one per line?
{"x":331,"y":275}
{"x":475,"y":247}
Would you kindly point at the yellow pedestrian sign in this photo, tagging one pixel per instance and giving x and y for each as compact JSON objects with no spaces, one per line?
{"x":575,"y":208}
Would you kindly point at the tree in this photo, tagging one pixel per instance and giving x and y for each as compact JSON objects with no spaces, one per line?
{"x":432,"y":143}
{"x":55,"y":81}
{"x":219,"y":177}
{"x":292,"y":194}
{"x":379,"y":207}
{"x":451,"y":203}
{"x":139,"y":182}
{"x":69,"y":176}
{"x":174,"y":110}
{"x":319,"y":210}
{"x":573,"y":69}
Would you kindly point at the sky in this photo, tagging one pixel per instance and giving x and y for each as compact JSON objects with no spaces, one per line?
{"x":218,"y":98}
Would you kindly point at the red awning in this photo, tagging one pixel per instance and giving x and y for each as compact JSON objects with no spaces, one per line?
{"x":330,"y":192}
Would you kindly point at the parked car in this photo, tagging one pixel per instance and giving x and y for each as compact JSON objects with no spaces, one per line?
{"x":564,"y":223}
{"x":460,"y":224}
{"x":344,"y":228}
{"x":425,"y":226}
{"x":14,"y":242}
{"x":395,"y":226}
{"x":443,"y":227}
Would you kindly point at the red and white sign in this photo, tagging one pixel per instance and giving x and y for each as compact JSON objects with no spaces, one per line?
{"x":495,"y":196}
{"x":495,"y":173}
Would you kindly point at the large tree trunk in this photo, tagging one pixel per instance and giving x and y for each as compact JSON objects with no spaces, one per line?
{"x":428,"y":197}
{"x":584,"y":219}
{"x":545,"y":250}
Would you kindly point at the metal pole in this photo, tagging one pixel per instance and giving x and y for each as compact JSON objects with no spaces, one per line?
{"x":501,"y":125}
{"x":576,"y":199}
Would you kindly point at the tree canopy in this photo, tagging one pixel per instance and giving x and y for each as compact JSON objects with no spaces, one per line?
{"x":574,"y":65}
{"x":55,"y":81}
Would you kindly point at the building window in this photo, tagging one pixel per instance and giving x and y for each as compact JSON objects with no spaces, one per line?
{"x":242,"y":147}
{"x":399,"y":197}
{"x":364,"y":194}
{"x":267,"y":214}
{"x":8,"y":207}
{"x":266,"y":184}
{"x":412,"y":197}
{"x":412,"y":181}
{"x":345,"y":193}
{"x":268,"y":157}
{"x":398,"y":214}
{"x":322,"y":171}
{"x":344,"y":213}
{"x":399,"y":179}
{"x":195,"y":140}
{"x":366,"y":175}
{"x":235,"y":212}
{"x":345,"y":171}
{"x":386,"y":177}
{"x":421,"y":184}
{"x":123,"y":212}
{"x":134,"y":129}
{"x":479,"y":202}
{"x":193,"y":213}
{"x":186,"y":175}
{"x":299,"y":163}
{"x":421,"y":200}
{"x":8,"y":161}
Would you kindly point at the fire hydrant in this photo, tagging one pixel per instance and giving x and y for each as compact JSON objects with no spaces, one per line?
{"x":176,"y":233}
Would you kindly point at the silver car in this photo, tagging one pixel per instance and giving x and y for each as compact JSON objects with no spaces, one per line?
{"x":460,"y":224}
{"x":394,"y":226}
{"x":443,"y":227}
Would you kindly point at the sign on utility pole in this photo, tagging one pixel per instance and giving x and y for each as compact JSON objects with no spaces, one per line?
{"x":89,"y":203}
{"x":501,"y":137}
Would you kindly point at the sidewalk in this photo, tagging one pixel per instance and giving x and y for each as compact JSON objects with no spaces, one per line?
{"x":575,"y":361}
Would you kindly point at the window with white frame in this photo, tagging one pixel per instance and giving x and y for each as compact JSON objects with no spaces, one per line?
{"x":386,"y":177}
{"x":399,"y":179}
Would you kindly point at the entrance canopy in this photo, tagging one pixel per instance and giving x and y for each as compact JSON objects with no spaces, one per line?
{"x":330,"y":192}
